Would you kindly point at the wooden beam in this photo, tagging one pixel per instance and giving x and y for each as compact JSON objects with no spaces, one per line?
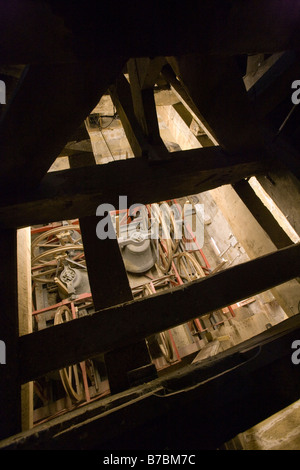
{"x":121,"y":96}
{"x":66,"y":195}
{"x":263,"y":216}
{"x":231,"y":386}
{"x":147,"y":70}
{"x":144,"y":103}
{"x":109,"y":286}
{"x":25,"y":314}
{"x":71,"y":31}
{"x":274,"y":86}
{"x":10,"y":385}
{"x":122,"y":325}
{"x":255,"y":241}
{"x":216,"y":87}
{"x":284,"y":189}
{"x":49,"y":105}
{"x":263,"y":67}
{"x":108,"y":279}
{"x":184,"y":98}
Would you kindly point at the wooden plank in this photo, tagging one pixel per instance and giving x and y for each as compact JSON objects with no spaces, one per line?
{"x":188,"y":172}
{"x":49,"y":105}
{"x":133,"y":321}
{"x":75,"y":30}
{"x":216,"y":87}
{"x":10,"y":386}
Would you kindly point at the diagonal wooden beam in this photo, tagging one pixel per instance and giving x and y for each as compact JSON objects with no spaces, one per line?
{"x":47,"y":108}
{"x":215,"y":85}
{"x":123,"y":325}
{"x":262,"y":214}
{"x":66,"y":194}
{"x":10,"y":386}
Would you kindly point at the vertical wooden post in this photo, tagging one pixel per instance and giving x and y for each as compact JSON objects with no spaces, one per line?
{"x":109,"y":286}
{"x":25,"y":314}
{"x":10,"y":388}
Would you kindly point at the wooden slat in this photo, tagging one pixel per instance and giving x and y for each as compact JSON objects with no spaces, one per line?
{"x":71,"y":30}
{"x":48,"y":106}
{"x":126,"y":324}
{"x":10,"y":386}
{"x":66,"y":194}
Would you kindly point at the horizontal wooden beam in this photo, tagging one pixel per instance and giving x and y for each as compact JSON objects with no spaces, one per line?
{"x":35,"y":31}
{"x":230,"y":385}
{"x":125,"y":324}
{"x":78,"y":192}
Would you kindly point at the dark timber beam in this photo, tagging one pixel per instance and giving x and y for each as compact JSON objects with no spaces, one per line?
{"x":284,"y":189}
{"x":10,"y":385}
{"x":216,"y":87}
{"x":48,"y":106}
{"x":121,"y":96}
{"x":213,"y":400}
{"x":190,"y":110}
{"x":35,"y":31}
{"x":106,"y":330}
{"x":263,"y":216}
{"x":66,"y":194}
{"x":109,"y":286}
{"x":144,"y":104}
